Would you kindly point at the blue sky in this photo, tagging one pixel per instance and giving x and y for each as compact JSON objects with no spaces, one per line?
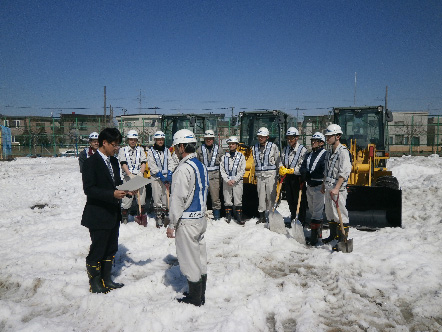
{"x":199,"y":56}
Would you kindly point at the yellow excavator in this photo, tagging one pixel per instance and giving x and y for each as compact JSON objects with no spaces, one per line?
{"x":374,"y":196}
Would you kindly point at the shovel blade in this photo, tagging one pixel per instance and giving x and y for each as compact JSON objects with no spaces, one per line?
{"x":276,"y":223}
{"x":298,"y":231}
{"x":346,"y":247}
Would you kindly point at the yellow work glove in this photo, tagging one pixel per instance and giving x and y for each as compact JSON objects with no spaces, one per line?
{"x":290,"y":170}
{"x":282,"y":171}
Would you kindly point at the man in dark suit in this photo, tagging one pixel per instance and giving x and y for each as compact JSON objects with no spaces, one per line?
{"x":102,"y":213}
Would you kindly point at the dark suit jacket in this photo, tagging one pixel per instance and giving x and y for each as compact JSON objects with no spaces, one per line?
{"x":102,"y":210}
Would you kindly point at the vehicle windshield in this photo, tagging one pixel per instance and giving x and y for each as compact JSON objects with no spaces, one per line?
{"x":363,"y":126}
{"x":250,"y":123}
{"x":171,"y":124}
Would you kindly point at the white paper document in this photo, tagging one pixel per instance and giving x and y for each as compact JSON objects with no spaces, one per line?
{"x":134,"y":184}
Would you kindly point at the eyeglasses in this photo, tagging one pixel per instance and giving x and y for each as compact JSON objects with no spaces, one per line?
{"x":115,"y":145}
{"x":291,"y":138}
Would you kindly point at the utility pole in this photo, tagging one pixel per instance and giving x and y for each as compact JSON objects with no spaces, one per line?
{"x":354,"y":101}
{"x":104,"y":119}
{"x":386,"y":97}
{"x":139,"y":100}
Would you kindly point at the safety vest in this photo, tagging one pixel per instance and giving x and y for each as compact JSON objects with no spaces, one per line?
{"x":311,"y":168}
{"x":134,"y":166}
{"x":286,"y":162}
{"x":265,"y":166}
{"x":210,"y":165}
{"x":197,"y":207}
{"x":330,"y":165}
{"x":161,"y":165}
{"x":236,"y":161}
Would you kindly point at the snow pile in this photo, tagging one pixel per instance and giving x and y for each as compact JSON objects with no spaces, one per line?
{"x":257,"y":281}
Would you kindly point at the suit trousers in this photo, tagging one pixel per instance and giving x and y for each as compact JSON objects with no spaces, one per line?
{"x":104,"y":243}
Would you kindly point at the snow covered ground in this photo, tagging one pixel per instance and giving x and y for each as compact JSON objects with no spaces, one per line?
{"x":257,"y":280}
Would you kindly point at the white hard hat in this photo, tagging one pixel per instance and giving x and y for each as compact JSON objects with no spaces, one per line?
{"x":159,"y":134}
{"x":209,"y":134}
{"x":184,"y":136}
{"x":232,"y":139}
{"x":333,"y":129}
{"x":263,"y":131}
{"x":292,"y":131}
{"x":318,"y":136}
{"x":132,"y":134}
{"x":93,"y":135}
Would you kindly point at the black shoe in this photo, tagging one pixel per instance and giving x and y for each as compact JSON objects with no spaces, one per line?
{"x":203,"y":288}
{"x":106,"y":268}
{"x":333,"y":226}
{"x":194,"y":294}
{"x":96,"y":284}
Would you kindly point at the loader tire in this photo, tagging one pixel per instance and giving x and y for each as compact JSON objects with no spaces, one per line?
{"x":388,"y":182}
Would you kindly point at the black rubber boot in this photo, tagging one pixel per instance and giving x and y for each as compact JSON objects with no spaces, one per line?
{"x":333,"y":226}
{"x":203,"y":288}
{"x":228,"y":214}
{"x":262,"y":218}
{"x":106,"y":268}
{"x":238,"y":210}
{"x":341,"y":237}
{"x":316,"y":234}
{"x":124,"y":215}
{"x":96,"y":284}
{"x":194,"y":295}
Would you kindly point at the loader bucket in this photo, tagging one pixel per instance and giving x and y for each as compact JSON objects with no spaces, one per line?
{"x":371,"y":208}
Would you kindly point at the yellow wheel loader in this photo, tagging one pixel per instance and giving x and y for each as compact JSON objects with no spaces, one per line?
{"x":277,"y":123}
{"x":374,"y":196}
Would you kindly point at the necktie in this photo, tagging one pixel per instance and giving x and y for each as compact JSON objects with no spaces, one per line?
{"x":109,"y":166}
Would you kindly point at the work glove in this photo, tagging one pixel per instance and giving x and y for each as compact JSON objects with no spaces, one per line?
{"x":282,"y":171}
{"x":290,"y":171}
{"x":169,"y":177}
{"x":160,"y":176}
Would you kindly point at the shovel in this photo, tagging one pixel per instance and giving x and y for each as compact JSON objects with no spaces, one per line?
{"x":297,"y":228}
{"x":276,"y":221}
{"x":347,"y":245}
{"x":141,"y":219}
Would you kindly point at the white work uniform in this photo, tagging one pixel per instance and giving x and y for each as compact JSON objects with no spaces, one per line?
{"x":211,"y":159}
{"x":159,"y":161}
{"x":187,"y":216}
{"x":337,"y":164}
{"x":134,"y":158}
{"x":233,"y":167}
{"x":266,"y":159}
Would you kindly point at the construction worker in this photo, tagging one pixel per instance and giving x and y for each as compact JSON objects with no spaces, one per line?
{"x":291,"y":160}
{"x":161,"y":166}
{"x":337,"y":171}
{"x":133,"y":163}
{"x":187,"y":215}
{"x":210,"y":154}
{"x":312,"y":171}
{"x":266,"y":157}
{"x":233,"y":167}
{"x":89,"y":151}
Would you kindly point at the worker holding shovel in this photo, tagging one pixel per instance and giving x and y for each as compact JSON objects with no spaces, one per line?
{"x":312,"y":171}
{"x":291,"y":160}
{"x":337,"y":171}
